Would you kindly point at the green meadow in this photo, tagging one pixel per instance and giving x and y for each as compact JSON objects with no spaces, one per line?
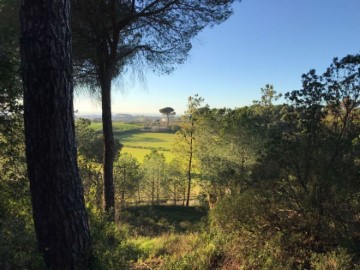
{"x":141,"y":144}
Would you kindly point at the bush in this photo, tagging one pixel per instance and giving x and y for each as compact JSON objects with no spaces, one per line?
{"x":193,"y":251}
{"x":264,"y":233}
{"x":338,"y":259}
{"x":111,"y":249}
{"x":18,"y":246}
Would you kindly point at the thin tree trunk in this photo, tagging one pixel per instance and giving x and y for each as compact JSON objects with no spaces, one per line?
{"x":105,"y":69}
{"x":123,"y":190}
{"x":123,"y":198}
{"x":184,"y":196}
{"x":60,"y":219}
{"x":153,"y":190}
{"x":158,"y":191}
{"x":189,"y":170}
{"x":108,"y":148}
{"x":175,"y":195}
{"x":139,"y":198}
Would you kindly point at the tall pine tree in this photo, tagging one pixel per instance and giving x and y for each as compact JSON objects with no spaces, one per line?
{"x":57,"y":197}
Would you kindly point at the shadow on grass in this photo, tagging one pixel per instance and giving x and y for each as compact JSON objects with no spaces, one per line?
{"x":159,"y":219}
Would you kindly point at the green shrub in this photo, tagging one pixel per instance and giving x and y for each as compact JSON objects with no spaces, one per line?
{"x":192,"y":251}
{"x":338,"y":259}
{"x":111,"y":249}
{"x":251,"y":237}
{"x":264,"y":232}
{"x":18,"y":246}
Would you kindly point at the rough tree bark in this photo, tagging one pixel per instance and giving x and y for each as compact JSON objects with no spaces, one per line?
{"x":60,"y":219}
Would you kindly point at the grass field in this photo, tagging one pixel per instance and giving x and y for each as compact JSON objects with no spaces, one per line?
{"x":140,"y":153}
{"x":141,"y":144}
{"x":117,"y":126}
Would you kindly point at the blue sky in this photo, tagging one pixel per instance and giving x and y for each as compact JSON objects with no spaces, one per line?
{"x":263,"y":42}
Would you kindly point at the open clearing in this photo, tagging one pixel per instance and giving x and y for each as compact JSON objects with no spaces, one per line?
{"x":141,"y":144}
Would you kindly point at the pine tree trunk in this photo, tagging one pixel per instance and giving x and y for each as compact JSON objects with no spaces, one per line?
{"x":153,"y":190}
{"x":105,"y":69}
{"x":60,"y":219}
{"x":108,"y":147}
{"x":139,"y":198}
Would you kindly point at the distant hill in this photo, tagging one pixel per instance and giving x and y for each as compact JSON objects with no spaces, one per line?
{"x":122,"y":117}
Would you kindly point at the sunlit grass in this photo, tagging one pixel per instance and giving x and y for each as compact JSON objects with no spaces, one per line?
{"x":161,"y":239}
{"x":141,"y":144}
{"x":140,"y":153}
{"x":148,"y":140}
{"x":174,"y":251}
{"x":165,"y":244}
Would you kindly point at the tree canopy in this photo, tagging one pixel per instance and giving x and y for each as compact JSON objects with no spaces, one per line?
{"x":157,"y":33}
{"x":167,"y":111}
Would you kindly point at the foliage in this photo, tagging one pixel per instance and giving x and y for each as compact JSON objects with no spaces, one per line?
{"x":268,"y":95}
{"x":140,"y":152}
{"x":168,"y":111}
{"x":300,"y":199}
{"x":18,"y":249}
{"x":137,"y":35}
{"x":10,"y":82}
{"x":89,"y":143}
{"x":185,"y":143}
{"x":127,"y":176}
{"x":154,"y":178}
{"x":162,"y":240}
{"x":338,"y":259}
{"x":198,"y":251}
{"x":229,"y":144}
{"x":159,"y":219}
{"x":91,"y":176}
{"x":111,"y":249}
{"x":262,"y":234}
{"x":254,"y":240}
{"x":176,"y":185}
{"x":90,"y":156}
